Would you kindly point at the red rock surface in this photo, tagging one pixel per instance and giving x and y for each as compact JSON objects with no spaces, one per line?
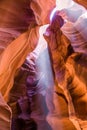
{"x":47,"y":102}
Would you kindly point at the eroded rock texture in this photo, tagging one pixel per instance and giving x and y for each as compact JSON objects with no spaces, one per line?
{"x":11,"y":25}
{"x":82,"y":2}
{"x":49,"y":99}
{"x":66,"y":66}
{"x":42,"y":10}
